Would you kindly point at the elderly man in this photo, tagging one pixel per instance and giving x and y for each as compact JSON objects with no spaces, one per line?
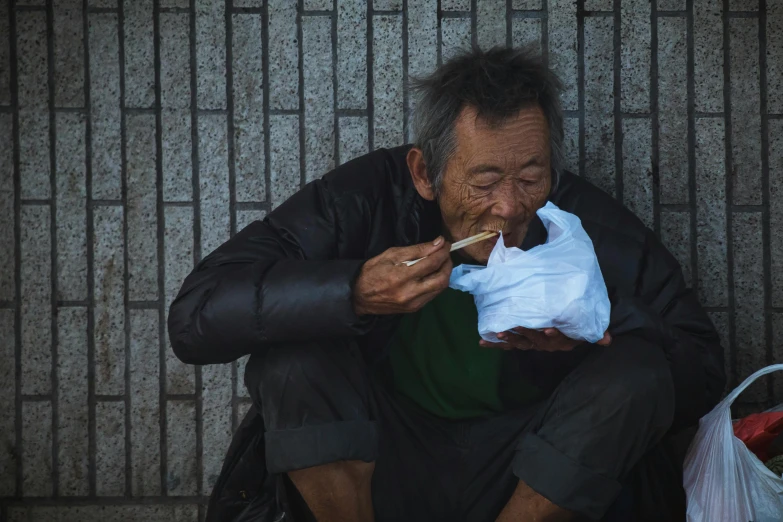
{"x":373,"y":396}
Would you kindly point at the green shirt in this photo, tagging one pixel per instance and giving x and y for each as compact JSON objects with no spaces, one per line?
{"x":438,"y":364}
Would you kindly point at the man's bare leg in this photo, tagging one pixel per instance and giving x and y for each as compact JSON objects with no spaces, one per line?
{"x":337,"y":492}
{"x":525,"y":505}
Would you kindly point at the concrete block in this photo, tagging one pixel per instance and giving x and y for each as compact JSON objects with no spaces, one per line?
{"x":721,"y":322}
{"x":116,"y":513}
{"x":110,"y":448}
{"x":248,"y":95}
{"x":73,"y":409}
{"x":105,"y":103}
{"x":318,"y":96}
{"x":526,"y":5}
{"x":69,"y":58}
{"x":749,"y":295}
{"x":71,"y":215}
{"x":284,"y":157}
{"x":37,"y":302}
{"x":37,"y":449}
{"x":571,"y":144}
{"x":241,"y":388}
{"x":108,"y":292}
{"x":637,"y":169}
{"x":490,"y":23}
{"x":213,"y":181}
{"x":351,"y":54}
{"x":387,"y":5}
{"x":178,"y":253}
{"x":562,"y":49}
{"x":455,"y":35}
{"x":145,"y":403}
{"x":676,"y":236}
{"x":9,"y":453}
{"x":210,"y":54}
{"x":672,"y":110}
{"x":283,"y":56}
{"x":140,"y":154}
{"x":708,"y":55}
{"x":422,"y":40}
{"x":526,"y":31}
{"x":245,"y":217}
{"x":174,"y":60}
{"x":216,"y":392}
{"x":387,"y":82}
{"x":353,"y":137}
{"x":181,"y":452}
{"x":34,"y":161}
{"x":635,"y":56}
{"x":177,"y":154}
{"x":32,"y":60}
{"x":5,"y":57}
{"x":775,"y":57}
{"x":455,"y":5}
{"x":318,"y":5}
{"x":670,"y":5}
{"x":776,"y":208}
{"x":7,"y":219}
{"x":139,"y":54}
{"x":711,"y":212}
{"x":243,"y":408}
{"x":599,"y":5}
{"x":745,"y":117}
{"x":599,"y":103}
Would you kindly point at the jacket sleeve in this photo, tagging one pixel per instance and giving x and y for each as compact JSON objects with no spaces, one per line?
{"x":663,"y":309}
{"x":276,"y":280}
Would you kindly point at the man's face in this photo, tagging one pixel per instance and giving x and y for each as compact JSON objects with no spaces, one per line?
{"x":496,"y":180}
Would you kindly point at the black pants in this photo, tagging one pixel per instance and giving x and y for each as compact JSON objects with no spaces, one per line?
{"x":594,"y":440}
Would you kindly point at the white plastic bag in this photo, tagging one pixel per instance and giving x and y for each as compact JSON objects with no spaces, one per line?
{"x":724,"y":480}
{"x":554,"y":285}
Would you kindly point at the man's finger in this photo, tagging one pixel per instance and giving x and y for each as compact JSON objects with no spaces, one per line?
{"x":428,"y":265}
{"x":412,"y":252}
{"x":502,"y":346}
{"x":518,"y":341}
{"x":607,"y":339}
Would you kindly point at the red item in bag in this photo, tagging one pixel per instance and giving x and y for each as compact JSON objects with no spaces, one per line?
{"x":758,"y":430}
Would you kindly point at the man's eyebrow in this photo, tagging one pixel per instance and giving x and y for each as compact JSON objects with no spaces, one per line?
{"x":489,"y":167}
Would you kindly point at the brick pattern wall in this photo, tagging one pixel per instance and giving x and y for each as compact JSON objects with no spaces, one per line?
{"x":137,"y":135}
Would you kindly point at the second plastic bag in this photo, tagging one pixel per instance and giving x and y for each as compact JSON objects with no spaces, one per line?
{"x":555,"y":285}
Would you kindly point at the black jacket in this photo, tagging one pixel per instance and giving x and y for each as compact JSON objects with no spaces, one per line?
{"x":290,"y":277}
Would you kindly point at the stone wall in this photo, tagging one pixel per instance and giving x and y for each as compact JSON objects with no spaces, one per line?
{"x":137,"y":136}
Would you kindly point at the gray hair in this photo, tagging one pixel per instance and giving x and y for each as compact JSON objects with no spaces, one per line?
{"x":498,"y":83}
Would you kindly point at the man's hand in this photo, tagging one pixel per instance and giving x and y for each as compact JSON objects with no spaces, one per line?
{"x":548,"y":340}
{"x":387,"y":286}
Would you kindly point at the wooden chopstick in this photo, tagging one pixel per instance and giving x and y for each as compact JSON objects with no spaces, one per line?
{"x":461,"y":244}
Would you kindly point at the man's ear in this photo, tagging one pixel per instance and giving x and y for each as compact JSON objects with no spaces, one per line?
{"x":418,"y":170}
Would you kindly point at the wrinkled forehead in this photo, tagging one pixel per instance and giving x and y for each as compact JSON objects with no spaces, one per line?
{"x":510,"y":143}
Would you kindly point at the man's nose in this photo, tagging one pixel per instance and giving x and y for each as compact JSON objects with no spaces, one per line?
{"x":507,"y":203}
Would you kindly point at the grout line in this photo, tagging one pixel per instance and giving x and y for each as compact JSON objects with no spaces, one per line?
{"x":265,"y":74}
{"x":545,"y":31}
{"x":729,"y":184}
{"x":232,"y":184}
{"x":675,"y":207}
{"x":619,"y":184}
{"x":509,"y":28}
{"x":744,"y":14}
{"x":637,"y":115}
{"x":195,"y":178}
{"x":672,"y":14}
{"x":284,"y":112}
{"x":91,"y":423}
{"x":453,"y":14}
{"x":72,"y":110}
{"x":473,"y":23}
{"x":386,"y":12}
{"x":691,"y":138}
{"x":31,"y":202}
{"x":747,"y":208}
{"x":599,"y":14}
{"x":126,"y":399}
{"x":348,"y":112}
{"x":316,"y":12}
{"x":766,"y":232}
{"x":106,"y":203}
{"x":580,"y":65}
{"x":161,"y":257}
{"x":7,"y":305}
{"x":55,"y":471}
{"x":405,"y":95}
{"x":654,"y":124}
{"x":143,"y":305}
{"x":336,"y":112}
{"x":709,"y":114}
{"x":207,"y":112}
{"x":110,"y":398}
{"x":183,"y":204}
{"x":370,"y":81}
{"x":301,"y":111}
{"x":248,"y":10}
